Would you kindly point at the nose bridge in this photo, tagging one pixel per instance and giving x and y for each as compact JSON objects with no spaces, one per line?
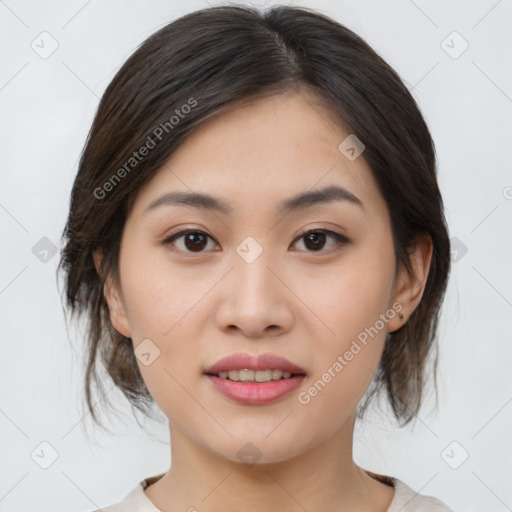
{"x":251,"y":265}
{"x":255,"y":298}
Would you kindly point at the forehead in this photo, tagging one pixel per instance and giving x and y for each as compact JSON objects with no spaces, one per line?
{"x":263,"y":150}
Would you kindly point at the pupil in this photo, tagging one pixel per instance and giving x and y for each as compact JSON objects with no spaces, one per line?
{"x":315,"y":238}
{"x":191,"y":237}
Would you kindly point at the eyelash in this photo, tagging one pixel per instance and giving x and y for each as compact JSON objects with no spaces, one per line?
{"x":340,"y":239}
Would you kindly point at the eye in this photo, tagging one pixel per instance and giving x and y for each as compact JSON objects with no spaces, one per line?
{"x":315,"y":239}
{"x":193,"y":240}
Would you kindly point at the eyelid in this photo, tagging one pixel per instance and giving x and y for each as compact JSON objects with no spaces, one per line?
{"x":183,"y":232}
{"x":341,"y":240}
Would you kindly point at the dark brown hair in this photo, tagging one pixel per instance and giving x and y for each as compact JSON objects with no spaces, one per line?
{"x":209,"y":60}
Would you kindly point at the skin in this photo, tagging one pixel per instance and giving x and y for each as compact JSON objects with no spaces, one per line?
{"x":301,"y":303}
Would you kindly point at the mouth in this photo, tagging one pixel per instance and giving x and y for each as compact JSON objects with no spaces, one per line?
{"x":255,"y":380}
{"x":247,"y":368}
{"x":246,"y":375}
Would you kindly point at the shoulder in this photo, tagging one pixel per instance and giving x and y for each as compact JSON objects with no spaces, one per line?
{"x":135,"y":501}
{"x":407,"y":500}
{"x":123,"y":506}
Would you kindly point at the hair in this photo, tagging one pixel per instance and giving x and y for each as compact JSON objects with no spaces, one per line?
{"x":211,"y":60}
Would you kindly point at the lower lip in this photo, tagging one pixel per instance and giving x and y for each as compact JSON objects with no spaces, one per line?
{"x":256,"y":393}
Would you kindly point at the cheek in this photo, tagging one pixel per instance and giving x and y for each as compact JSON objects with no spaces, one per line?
{"x":158,"y":296}
{"x":162,"y":304}
{"x":349,"y":298}
{"x":345,"y":362}
{"x":351,"y":303}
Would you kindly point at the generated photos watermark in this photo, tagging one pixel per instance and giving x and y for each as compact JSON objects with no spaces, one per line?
{"x":157,"y":134}
{"x":304,"y":397}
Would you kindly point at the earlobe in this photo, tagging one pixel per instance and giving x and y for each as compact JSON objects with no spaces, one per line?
{"x":411,"y":285}
{"x":115,"y":304}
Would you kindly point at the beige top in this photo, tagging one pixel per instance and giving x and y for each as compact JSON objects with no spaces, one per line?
{"x":404,"y":500}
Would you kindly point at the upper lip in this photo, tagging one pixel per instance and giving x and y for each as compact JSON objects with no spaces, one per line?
{"x":242,"y":361}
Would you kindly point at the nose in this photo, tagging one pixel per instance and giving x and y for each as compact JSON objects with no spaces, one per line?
{"x":255,"y":299}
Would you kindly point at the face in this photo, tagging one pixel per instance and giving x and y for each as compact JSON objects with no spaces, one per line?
{"x":307,"y":284}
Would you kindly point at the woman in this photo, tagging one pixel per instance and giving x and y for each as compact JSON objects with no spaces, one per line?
{"x":257,"y":237}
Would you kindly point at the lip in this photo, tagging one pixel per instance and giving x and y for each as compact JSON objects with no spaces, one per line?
{"x":241,"y":361}
{"x":256,"y":393}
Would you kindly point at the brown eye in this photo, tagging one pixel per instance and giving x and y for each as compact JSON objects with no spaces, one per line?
{"x":193,"y":240}
{"x":315,"y":239}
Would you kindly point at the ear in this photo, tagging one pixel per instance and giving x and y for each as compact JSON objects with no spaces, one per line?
{"x":116,"y":307}
{"x":410,"y":286}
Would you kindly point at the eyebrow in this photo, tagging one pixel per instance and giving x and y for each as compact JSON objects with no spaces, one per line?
{"x":299,"y":202}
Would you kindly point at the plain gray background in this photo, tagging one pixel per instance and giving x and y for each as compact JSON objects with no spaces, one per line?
{"x":461,"y":452}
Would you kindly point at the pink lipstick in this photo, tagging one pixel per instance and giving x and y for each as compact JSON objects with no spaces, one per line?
{"x":255,"y":380}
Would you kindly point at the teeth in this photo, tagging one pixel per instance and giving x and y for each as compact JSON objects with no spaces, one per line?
{"x":254,"y":375}
{"x":247,"y":375}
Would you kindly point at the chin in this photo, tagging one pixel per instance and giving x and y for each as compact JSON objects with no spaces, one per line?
{"x":258,"y":450}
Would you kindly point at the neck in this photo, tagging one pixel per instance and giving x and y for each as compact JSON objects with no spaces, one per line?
{"x":322,"y":478}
